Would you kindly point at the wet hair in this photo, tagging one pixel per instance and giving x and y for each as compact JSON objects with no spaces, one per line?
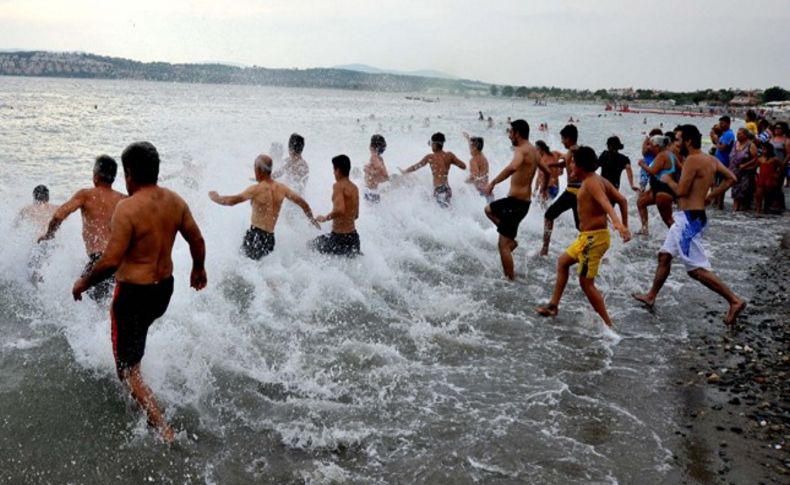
{"x":105,"y":169}
{"x":141,"y":163}
{"x":543,"y":147}
{"x":342,"y":163}
{"x":296,"y":143}
{"x":692,"y":135}
{"x":378,"y":143}
{"x":477,"y":142}
{"x":655,"y":131}
{"x":584,"y":157}
{"x":41,"y":193}
{"x":751,"y":115}
{"x":570,"y":132}
{"x":725,"y":119}
{"x":264,"y":163}
{"x":438,"y":137}
{"x":521,"y":127}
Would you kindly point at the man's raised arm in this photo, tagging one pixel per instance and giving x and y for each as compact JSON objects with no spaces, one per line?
{"x":232,"y":199}
{"x":294,"y":197}
{"x":418,"y":165}
{"x":62,"y":213}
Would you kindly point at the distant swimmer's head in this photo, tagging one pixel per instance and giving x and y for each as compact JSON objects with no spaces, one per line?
{"x":519,"y":130}
{"x":140,"y":164}
{"x":543,"y":147}
{"x":263,"y":164}
{"x":342,"y":166}
{"x":585,"y":160}
{"x":613,"y":143}
{"x":690,"y":138}
{"x":477,"y":143}
{"x":437,"y":141}
{"x":378,"y":143}
{"x":296,"y":143}
{"x":41,"y":194}
{"x":105,"y":169}
{"x":569,"y":135}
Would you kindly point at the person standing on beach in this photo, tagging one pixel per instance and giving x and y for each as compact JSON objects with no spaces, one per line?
{"x":685,"y":238}
{"x":724,"y":144}
{"x":266,"y":198}
{"x":375,"y":170}
{"x":440,"y":162}
{"x":96,"y":205}
{"x":478,"y":166}
{"x":594,"y":198}
{"x":295,"y":169}
{"x":507,"y":213}
{"x":138,"y":253}
{"x":612,"y":164}
{"x":567,"y":201}
{"x":344,"y":239}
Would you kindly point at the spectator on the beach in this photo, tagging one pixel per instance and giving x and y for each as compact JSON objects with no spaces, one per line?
{"x":782,"y":149}
{"x":724,"y":142}
{"x":612,"y":164}
{"x":768,"y":178}
{"x":765,"y":131}
{"x":751,"y":121}
{"x":743,"y":162}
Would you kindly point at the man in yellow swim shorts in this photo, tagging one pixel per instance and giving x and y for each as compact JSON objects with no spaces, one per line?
{"x":594,"y":207}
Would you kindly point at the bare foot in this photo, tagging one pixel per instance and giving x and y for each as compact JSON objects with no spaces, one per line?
{"x":550,"y":310}
{"x":167,"y":433}
{"x":642,"y":232}
{"x":735,"y":310}
{"x":644,"y":299}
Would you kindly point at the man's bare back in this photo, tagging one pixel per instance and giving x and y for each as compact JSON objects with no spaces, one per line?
{"x":96,"y":206}
{"x":375,"y":172}
{"x":296,"y":172}
{"x":345,"y":202}
{"x":478,"y":171}
{"x":38,"y":214}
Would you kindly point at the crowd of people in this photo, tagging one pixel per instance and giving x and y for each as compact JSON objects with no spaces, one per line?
{"x":129,"y":237}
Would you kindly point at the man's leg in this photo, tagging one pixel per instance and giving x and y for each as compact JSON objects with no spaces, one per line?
{"x":662,"y":273}
{"x":563,"y":268}
{"x":641,"y":206}
{"x":664,"y":206}
{"x":548,"y":227}
{"x":506,"y":247}
{"x":713,"y":282}
{"x":490,"y":214}
{"x":145,"y":398}
{"x":595,"y":298}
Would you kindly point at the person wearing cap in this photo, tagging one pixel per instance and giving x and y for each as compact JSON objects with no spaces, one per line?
{"x":266,"y":198}
{"x":440,"y":162}
{"x":612,"y":164}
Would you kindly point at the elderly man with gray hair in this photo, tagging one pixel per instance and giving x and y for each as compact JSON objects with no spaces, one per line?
{"x":266,"y":198}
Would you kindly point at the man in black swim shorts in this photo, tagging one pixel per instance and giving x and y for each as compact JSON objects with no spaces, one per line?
{"x":343,"y":240}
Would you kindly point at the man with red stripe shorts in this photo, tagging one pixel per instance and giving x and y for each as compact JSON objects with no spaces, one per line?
{"x":143,"y":230}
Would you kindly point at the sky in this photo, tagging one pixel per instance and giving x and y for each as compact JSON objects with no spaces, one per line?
{"x":588,"y":44}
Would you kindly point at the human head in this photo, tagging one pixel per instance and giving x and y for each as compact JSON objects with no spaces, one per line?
{"x":690,"y":137}
{"x":762,"y":125}
{"x":41,"y":194}
{"x":519,"y":130}
{"x":569,"y":135}
{"x":437,"y":141}
{"x":658,"y":143}
{"x":584,"y":162}
{"x":140,"y":165}
{"x":296,"y":144}
{"x":751,"y":115}
{"x":104,"y":170}
{"x":614,"y":144}
{"x":476,"y":144}
{"x":342,"y":166}
{"x":724,"y":122}
{"x":768,"y":150}
{"x":378,"y":144}
{"x":780,"y":128}
{"x":263,"y":166}
{"x":543,"y":147}
{"x":742,"y":134}
{"x":654,"y":132}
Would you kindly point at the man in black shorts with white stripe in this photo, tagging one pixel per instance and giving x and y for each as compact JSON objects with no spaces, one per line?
{"x":508,"y":213}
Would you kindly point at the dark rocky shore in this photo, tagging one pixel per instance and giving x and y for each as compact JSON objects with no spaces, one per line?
{"x":735,"y":425}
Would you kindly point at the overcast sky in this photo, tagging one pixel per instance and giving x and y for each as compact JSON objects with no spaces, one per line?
{"x":671,"y":44}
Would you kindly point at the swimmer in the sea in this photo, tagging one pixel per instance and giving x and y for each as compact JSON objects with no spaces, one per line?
{"x":139,"y":254}
{"x":549,"y":185}
{"x":295,"y":169}
{"x":39,"y":212}
{"x":594,"y":198}
{"x":266,"y":198}
{"x":375,"y":170}
{"x":344,"y":239}
{"x":478,"y":166}
{"x":96,"y":204}
{"x":440,"y":162}
{"x":685,"y":237}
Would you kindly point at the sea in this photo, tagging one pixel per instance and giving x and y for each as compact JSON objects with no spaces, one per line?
{"x":414,"y":363}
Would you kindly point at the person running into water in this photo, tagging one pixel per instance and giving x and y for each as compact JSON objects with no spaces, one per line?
{"x":567,"y":201}
{"x":96,"y":205}
{"x":295,"y":169}
{"x":440,"y":162}
{"x":507,"y":213}
{"x":343,"y":240}
{"x":612,"y":164}
{"x":548,"y":185}
{"x":266,"y":198}
{"x":478,"y":166}
{"x":39,"y":212}
{"x":138,"y":253}
{"x":589,"y":248}
{"x":665,"y":162}
{"x":685,"y":238}
{"x":375,"y":170}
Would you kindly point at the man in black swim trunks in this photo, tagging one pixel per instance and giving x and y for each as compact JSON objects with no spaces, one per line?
{"x":508,"y":213}
{"x":139,"y":250}
{"x":266,"y":198}
{"x":567,"y":200}
{"x":343,"y":240}
{"x":440,"y":162}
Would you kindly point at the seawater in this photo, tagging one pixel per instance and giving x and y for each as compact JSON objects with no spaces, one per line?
{"x":415,"y":363}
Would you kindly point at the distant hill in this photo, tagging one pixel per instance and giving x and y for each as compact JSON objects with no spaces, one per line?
{"x":376,"y":70}
{"x":84,"y":65}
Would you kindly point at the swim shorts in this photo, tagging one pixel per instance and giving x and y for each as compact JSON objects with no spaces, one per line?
{"x":588,"y":249}
{"x":134,"y":308}
{"x":102,"y":289}
{"x":257,"y":243}
{"x":443,"y":193}
{"x":510,"y":211}
{"x":564,"y":202}
{"x":337,"y":244}
{"x":553,"y":191}
{"x":684,"y":239}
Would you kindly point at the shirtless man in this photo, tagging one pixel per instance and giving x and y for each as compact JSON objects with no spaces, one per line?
{"x":375,"y":171}
{"x":295,"y":169}
{"x":96,"y":205}
{"x":567,"y":201}
{"x":39,"y":212}
{"x":507,"y":213}
{"x":684,"y":239}
{"x":549,"y":186}
{"x":594,"y":198}
{"x":266,"y":198}
{"x":143,"y":231}
{"x":343,"y":240}
{"x":440,"y":162}
{"x":478,"y":166}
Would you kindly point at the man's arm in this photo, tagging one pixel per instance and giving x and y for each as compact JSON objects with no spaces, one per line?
{"x":601,"y":193}
{"x":120,"y":237}
{"x":630,"y":174}
{"x":506,"y":172}
{"x":658,"y":164}
{"x":62,"y":213}
{"x":233,"y":199}
{"x":197,"y":248}
{"x":418,"y":165}
{"x":293,"y":197}
{"x":682,"y":187}
{"x":729,"y":180}
{"x":338,"y":205}
{"x":457,"y":162}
